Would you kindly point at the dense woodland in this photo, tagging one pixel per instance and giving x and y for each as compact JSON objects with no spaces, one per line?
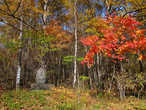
{"x":87,"y":44}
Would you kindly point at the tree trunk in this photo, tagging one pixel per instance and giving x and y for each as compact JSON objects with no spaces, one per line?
{"x":76,"y":45}
{"x":19,"y":56}
{"x":121,"y":86}
{"x":95,"y":77}
{"x":141,"y":66}
{"x":90,"y":76}
{"x":58,"y":71}
{"x":99,"y":70}
{"x":98,"y":67}
{"x":45,"y":8}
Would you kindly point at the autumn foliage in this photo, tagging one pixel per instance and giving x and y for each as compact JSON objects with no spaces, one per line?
{"x":61,"y":38}
{"x":119,"y":37}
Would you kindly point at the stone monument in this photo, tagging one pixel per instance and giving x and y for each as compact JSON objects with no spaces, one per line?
{"x":40,"y":81}
{"x":41,"y":76}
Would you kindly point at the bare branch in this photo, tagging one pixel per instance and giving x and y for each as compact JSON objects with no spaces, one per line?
{"x":138,"y":10}
{"x":18,"y":6}
{"x":5,"y":22}
{"x":17,"y":18}
{"x":7,"y":6}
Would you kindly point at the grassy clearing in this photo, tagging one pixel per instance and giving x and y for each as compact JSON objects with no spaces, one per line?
{"x":65,"y":99}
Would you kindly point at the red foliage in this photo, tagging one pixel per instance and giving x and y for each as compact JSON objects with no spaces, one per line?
{"x":121,"y":37}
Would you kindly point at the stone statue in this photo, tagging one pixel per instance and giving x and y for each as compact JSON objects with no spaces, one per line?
{"x":41,"y":76}
{"x":40,"y":81}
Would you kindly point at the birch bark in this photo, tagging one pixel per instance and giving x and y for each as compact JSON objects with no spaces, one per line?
{"x":76,"y":45}
{"x":19,"y":56}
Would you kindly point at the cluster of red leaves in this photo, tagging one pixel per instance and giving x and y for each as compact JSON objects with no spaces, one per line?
{"x":121,"y":36}
{"x":90,"y":41}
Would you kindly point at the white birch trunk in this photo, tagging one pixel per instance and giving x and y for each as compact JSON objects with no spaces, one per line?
{"x":98,"y":67}
{"x":76,"y":45}
{"x":19,"y":57}
{"x":45,"y":12}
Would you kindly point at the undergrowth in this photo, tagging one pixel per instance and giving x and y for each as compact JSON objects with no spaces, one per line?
{"x":66,"y":99}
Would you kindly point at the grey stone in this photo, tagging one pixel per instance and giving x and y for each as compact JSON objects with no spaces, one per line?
{"x":41,"y":76}
{"x":40,"y":81}
{"x":36,"y":86}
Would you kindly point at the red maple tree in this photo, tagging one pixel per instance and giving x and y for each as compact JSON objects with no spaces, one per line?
{"x":122,"y":36}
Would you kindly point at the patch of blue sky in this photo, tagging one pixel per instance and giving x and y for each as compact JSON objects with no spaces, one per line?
{"x":2,"y":23}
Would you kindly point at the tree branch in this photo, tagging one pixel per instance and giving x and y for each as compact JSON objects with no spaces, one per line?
{"x":18,"y":6}
{"x":4,"y":21}
{"x":138,"y":10}
{"x":17,"y":18}
{"x":7,"y":6}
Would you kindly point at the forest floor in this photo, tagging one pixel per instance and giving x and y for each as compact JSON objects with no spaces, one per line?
{"x":66,"y":99}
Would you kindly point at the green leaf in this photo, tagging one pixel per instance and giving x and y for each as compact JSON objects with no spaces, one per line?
{"x":80,"y":59}
{"x":84,"y":78}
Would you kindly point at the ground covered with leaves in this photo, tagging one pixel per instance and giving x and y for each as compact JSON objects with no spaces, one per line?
{"x":66,"y":99}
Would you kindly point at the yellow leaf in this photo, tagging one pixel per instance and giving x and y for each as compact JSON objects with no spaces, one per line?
{"x":140,"y":57}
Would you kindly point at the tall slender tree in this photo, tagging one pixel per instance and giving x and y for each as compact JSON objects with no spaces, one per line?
{"x":19,"y":69}
{"x":76,"y":43}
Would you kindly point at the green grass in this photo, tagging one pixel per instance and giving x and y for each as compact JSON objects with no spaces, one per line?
{"x":65,"y":99}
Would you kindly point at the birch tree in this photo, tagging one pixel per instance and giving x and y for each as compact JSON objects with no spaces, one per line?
{"x":76,"y":43}
{"x":19,"y":56}
{"x":19,"y":69}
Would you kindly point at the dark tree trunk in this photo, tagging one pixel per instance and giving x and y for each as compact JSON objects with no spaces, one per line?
{"x":141,"y":65}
